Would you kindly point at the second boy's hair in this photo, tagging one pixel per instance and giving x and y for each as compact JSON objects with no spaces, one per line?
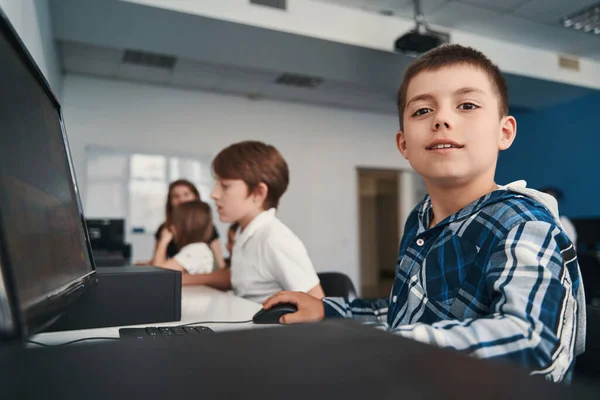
{"x":254,"y":162}
{"x":450,"y":55}
{"x":192,"y":222}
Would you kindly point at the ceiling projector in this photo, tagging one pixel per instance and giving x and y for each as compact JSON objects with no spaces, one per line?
{"x":418,"y":43}
{"x":421,"y":39}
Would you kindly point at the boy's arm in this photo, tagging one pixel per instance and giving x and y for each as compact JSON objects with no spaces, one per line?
{"x":533,"y":317}
{"x":311,"y":309}
{"x":374,"y":311}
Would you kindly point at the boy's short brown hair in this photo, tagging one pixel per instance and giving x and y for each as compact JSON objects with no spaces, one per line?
{"x":254,"y":162}
{"x":449,"y":55}
{"x":192,"y":222}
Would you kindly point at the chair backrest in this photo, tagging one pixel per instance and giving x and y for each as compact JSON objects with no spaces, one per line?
{"x":337,"y":284}
{"x":587,"y":365}
{"x":590,"y":273}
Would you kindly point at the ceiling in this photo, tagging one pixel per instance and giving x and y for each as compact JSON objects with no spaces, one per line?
{"x":227,"y":57}
{"x":528,"y":22}
{"x":253,"y":83}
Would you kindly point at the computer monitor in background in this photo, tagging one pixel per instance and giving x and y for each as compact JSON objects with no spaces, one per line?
{"x":107,"y":237}
{"x":106,"y":234}
{"x":45,"y":255}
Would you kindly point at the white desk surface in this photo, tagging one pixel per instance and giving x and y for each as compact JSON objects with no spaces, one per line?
{"x":198,"y":303}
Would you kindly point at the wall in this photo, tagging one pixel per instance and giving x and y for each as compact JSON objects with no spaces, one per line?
{"x":31,"y":19}
{"x":558,"y":146}
{"x":322,"y":146}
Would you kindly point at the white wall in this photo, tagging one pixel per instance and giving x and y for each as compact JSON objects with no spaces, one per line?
{"x":31,"y":19}
{"x":323,"y":147}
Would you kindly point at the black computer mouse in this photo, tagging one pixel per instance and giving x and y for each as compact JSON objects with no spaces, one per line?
{"x":272,"y":315}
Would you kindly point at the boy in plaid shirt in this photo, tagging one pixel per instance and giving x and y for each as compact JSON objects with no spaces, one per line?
{"x":483,"y":269}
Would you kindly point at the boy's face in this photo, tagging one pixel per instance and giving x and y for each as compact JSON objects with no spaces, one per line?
{"x":452,"y":127}
{"x":234,"y":203}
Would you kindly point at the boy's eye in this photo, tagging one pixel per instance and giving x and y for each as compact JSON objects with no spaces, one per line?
{"x":468,"y":106}
{"x":421,"y":111}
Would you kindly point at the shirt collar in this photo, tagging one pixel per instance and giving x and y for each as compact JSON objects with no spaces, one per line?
{"x":262,"y":219}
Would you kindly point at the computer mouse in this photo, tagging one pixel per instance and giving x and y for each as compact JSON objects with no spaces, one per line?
{"x":272,"y":315}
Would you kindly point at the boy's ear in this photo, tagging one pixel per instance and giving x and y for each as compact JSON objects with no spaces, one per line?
{"x":508,"y":132}
{"x":401,"y":143}
{"x":260,"y":192}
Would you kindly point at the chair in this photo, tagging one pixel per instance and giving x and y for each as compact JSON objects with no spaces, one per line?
{"x":587,"y":365}
{"x":336,"y":284}
{"x":590,"y":274}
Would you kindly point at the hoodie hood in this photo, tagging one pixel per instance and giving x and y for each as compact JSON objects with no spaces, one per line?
{"x":544,"y":199}
{"x":548,"y":201}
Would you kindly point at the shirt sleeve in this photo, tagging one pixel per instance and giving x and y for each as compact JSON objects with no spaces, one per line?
{"x":534,"y":312}
{"x":288,"y":261}
{"x":196,"y":258}
{"x":374,"y":312}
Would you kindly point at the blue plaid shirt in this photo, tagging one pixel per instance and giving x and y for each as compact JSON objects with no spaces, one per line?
{"x":498,"y":279}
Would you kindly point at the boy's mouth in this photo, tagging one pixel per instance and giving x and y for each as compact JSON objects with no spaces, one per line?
{"x":443,"y":145}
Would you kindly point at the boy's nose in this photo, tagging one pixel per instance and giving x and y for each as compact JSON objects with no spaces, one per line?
{"x":438,"y":125}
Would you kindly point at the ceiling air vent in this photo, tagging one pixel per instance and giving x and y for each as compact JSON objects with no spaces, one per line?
{"x":147,"y":59}
{"x":303,"y":81}
{"x":568,"y":63}
{"x":278,"y":4}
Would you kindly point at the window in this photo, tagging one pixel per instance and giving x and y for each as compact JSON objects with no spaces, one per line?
{"x":133,"y":185}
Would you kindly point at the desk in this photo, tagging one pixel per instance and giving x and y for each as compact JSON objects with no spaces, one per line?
{"x":329,"y":360}
{"x":198,"y":303}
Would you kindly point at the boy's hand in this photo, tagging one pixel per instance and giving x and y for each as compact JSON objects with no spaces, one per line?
{"x":310,"y":309}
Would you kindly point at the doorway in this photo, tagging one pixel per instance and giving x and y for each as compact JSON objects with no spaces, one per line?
{"x":386,"y":198}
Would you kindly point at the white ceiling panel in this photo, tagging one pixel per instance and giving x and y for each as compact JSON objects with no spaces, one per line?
{"x":552,"y":11}
{"x":246,"y":74}
{"x":498,"y":5}
{"x":402,"y":8}
{"x":145,"y":74}
{"x":241,"y":86}
{"x":87,"y":59}
{"x":509,"y":27}
{"x":528,"y":22}
{"x":195,"y":75}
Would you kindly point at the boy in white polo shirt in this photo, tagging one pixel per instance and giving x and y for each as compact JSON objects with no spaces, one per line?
{"x":267,"y":256}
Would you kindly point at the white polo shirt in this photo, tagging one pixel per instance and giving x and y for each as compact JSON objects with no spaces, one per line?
{"x":269,"y":257}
